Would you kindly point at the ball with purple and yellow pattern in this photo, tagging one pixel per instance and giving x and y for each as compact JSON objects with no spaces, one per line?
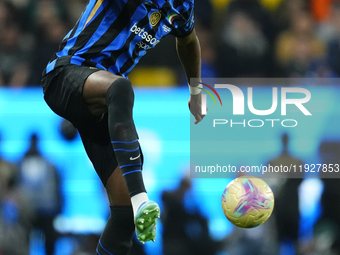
{"x":247,"y":201}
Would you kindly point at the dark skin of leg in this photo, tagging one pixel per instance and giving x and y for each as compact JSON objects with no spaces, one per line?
{"x":94,"y":94}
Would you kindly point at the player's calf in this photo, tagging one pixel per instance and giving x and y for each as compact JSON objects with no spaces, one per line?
{"x":124,"y":139}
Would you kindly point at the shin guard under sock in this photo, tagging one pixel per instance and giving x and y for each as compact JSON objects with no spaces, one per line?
{"x":123,"y":134}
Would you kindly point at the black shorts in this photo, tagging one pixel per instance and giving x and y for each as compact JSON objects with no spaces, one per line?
{"x":63,"y":89}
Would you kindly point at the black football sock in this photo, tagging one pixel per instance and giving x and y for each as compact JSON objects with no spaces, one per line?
{"x":123,"y":134}
{"x":116,"y":238}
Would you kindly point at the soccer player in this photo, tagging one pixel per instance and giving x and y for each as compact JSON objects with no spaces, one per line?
{"x":86,"y":83}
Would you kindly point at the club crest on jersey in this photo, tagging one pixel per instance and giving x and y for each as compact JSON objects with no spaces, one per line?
{"x":155,"y":18}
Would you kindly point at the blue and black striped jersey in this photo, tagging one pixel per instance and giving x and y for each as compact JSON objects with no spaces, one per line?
{"x":114,"y":34}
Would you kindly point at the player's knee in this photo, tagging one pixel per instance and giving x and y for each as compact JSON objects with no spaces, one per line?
{"x":120,"y":100}
{"x":120,"y":92}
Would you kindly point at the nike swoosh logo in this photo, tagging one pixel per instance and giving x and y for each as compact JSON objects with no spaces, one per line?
{"x":131,"y":158}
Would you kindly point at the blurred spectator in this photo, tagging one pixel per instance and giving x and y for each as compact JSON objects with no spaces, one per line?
{"x":39,"y":180}
{"x":15,"y":214}
{"x":255,"y":12}
{"x":48,"y":21}
{"x":328,"y":29}
{"x":286,"y":211}
{"x":327,"y":228}
{"x":334,"y":56}
{"x":204,"y":13}
{"x":208,"y":69}
{"x":75,"y":8}
{"x":297,"y":47}
{"x":235,"y":242}
{"x":321,"y":9}
{"x":243,"y":46}
{"x":8,"y":176}
{"x":40,"y":13}
{"x":271,"y":5}
{"x":47,"y":43}
{"x":334,"y":44}
{"x":245,"y":41}
{"x":204,"y":28}
{"x":320,"y":68}
{"x":185,"y":230}
{"x":7,"y":12}
{"x":286,"y":11}
{"x":244,"y":51}
{"x":14,"y":64}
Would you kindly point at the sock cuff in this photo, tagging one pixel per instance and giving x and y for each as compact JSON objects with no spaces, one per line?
{"x":138,"y":200}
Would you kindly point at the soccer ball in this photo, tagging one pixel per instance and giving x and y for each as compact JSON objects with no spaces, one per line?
{"x":247,"y":201}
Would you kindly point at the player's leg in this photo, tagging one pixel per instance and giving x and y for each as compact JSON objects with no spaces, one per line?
{"x":63,"y":92}
{"x":117,"y":235}
{"x":63,"y":89}
{"x":105,"y":91}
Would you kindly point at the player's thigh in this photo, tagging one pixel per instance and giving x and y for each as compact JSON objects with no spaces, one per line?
{"x":63,"y":89}
{"x":95,"y":88}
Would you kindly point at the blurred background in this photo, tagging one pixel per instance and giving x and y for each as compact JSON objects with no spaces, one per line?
{"x":52,"y":202}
